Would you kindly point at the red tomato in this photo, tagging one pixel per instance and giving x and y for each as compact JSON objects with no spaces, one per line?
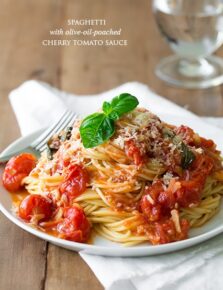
{"x":155,"y":189}
{"x":16,"y":169}
{"x":165,"y":232}
{"x":75,"y":181}
{"x":75,"y":226}
{"x":190,"y":191}
{"x":35,"y":204}
{"x":133,"y":152}
{"x":153,"y":212}
{"x":155,"y":202}
{"x":202,"y":165}
{"x":186,"y":133}
{"x":207,"y":143}
{"x":167,"y":199}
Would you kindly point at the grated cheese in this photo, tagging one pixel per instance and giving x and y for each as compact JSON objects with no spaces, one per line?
{"x":176,"y":219}
{"x":149,"y":198}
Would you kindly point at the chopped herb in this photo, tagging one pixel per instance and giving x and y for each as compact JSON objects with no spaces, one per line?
{"x":187,"y":156}
{"x":52,"y":146}
{"x":168,"y":133}
{"x":66,"y":134}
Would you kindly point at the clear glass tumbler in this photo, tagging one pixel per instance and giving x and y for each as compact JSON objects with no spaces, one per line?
{"x":193,"y":30}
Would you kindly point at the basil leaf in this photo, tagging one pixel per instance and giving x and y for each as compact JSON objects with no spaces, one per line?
{"x":114,"y":116}
{"x":187,"y":156}
{"x":107,"y":108}
{"x":122,"y":104}
{"x":99,"y":127}
{"x":96,"y":129}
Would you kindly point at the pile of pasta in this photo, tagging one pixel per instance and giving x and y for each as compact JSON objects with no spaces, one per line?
{"x":150,"y":182}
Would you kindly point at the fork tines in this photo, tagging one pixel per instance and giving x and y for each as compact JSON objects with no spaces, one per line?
{"x":67,"y":119}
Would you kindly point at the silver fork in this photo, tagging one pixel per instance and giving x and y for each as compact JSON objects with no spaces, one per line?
{"x":40,"y":144}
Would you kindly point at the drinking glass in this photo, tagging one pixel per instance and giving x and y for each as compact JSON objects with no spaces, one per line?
{"x":194,"y":30}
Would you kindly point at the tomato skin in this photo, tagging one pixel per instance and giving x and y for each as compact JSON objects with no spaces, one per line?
{"x":190,"y":191}
{"x":186,"y":133}
{"x":75,"y":226}
{"x":133,"y":152}
{"x":165,"y":231}
{"x":158,"y":201}
{"x":75,"y":181}
{"x":184,"y":192}
{"x":207,"y":143}
{"x":16,"y":169}
{"x":35,"y":204}
{"x":161,"y":201}
{"x":153,"y":212}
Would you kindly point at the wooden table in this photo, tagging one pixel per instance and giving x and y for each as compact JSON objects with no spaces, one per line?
{"x":27,"y":262}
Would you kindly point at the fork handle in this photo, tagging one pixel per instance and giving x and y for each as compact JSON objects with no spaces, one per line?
{"x":4,"y":158}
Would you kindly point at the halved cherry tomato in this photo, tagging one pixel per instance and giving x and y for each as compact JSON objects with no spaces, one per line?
{"x":75,"y":226}
{"x":16,"y":169}
{"x":35,"y":204}
{"x":75,"y":181}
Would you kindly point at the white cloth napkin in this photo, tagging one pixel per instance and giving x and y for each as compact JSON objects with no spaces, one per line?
{"x":37,"y":105}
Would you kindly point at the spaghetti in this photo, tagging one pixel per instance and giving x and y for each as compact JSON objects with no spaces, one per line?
{"x":150,"y":181}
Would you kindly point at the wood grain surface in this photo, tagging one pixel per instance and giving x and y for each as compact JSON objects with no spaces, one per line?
{"x":27,"y":262}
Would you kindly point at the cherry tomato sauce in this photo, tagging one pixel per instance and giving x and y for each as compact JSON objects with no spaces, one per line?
{"x":183,"y":191}
{"x":16,"y":169}
{"x":41,"y":210}
{"x":154,"y":209}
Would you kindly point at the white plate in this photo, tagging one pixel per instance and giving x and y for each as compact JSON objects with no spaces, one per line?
{"x":102,"y":246}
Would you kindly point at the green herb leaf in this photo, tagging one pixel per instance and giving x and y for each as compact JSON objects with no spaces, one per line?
{"x":187,"y":156}
{"x":107,"y":108}
{"x":168,"y":133}
{"x":99,"y":127}
{"x":123,"y":103}
{"x":96,"y":129}
{"x":66,"y":134}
